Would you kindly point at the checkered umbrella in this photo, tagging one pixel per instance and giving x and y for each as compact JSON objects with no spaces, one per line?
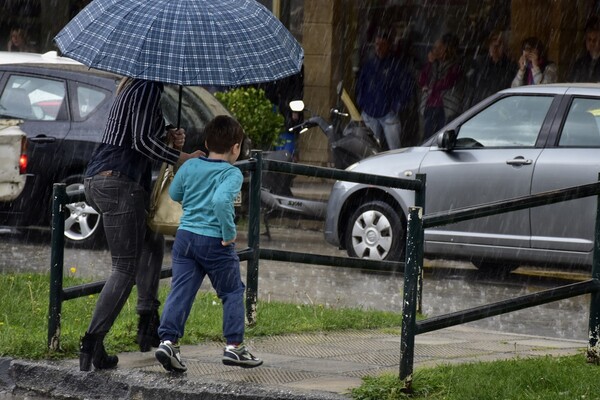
{"x":184,"y":42}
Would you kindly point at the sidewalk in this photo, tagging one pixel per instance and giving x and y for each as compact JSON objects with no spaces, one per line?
{"x":320,"y":366}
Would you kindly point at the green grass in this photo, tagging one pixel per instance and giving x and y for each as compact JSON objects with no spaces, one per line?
{"x":24,"y":325}
{"x":542,"y":378}
{"x":23,"y":334}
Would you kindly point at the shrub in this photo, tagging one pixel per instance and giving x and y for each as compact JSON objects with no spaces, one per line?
{"x":257,"y":115}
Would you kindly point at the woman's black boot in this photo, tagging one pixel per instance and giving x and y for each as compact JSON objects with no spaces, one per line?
{"x":147,"y":334}
{"x":92,"y":352}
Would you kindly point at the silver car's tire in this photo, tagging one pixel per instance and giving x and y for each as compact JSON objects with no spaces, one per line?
{"x":376,"y":232}
{"x":83,"y":224}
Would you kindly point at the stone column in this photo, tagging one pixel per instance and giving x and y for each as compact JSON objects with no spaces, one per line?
{"x":317,"y":39}
{"x":328,"y":37}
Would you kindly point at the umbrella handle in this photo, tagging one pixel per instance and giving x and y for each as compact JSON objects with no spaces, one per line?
{"x":179,"y":107}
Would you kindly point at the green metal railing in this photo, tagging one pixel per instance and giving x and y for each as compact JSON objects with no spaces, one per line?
{"x":417,"y":222}
{"x":252,"y":254}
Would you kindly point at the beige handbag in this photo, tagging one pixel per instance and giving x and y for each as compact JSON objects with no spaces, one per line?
{"x":164,"y":213}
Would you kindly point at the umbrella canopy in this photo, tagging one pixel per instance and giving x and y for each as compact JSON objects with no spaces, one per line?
{"x":184,"y":42}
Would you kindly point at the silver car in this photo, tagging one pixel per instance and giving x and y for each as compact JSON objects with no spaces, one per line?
{"x":518,"y":142}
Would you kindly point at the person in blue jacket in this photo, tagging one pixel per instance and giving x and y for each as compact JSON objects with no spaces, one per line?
{"x":205,"y":246}
{"x":384,"y":88}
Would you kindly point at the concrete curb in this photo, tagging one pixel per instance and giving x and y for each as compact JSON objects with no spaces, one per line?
{"x":63,"y":380}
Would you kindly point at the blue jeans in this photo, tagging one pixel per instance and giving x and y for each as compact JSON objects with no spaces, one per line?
{"x":137,"y":252}
{"x":194,"y":257}
{"x":387,"y":127}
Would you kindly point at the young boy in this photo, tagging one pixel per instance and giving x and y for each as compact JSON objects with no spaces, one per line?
{"x":204,"y":245}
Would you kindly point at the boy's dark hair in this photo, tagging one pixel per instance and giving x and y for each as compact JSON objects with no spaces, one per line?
{"x":221,"y":133}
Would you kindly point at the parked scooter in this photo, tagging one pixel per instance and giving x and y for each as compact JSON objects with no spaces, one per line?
{"x":347,"y":144}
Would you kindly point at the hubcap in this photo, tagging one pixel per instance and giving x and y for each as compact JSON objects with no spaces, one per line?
{"x":372,"y":235}
{"x":82,"y":221}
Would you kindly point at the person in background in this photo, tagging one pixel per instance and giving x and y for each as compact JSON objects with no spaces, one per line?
{"x":383,"y":89}
{"x":18,"y":41}
{"x":534,"y":67}
{"x":118,"y":185}
{"x":442,"y":86}
{"x":587,"y":68}
{"x":205,"y":246}
{"x":491,"y":72}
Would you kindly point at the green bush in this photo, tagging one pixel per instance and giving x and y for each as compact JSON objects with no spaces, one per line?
{"x":257,"y":115}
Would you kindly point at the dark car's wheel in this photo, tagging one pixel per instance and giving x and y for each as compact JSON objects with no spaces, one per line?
{"x":83,"y":224}
{"x":375,"y":231}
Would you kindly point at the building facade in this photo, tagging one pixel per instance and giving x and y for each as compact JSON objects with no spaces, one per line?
{"x":337,"y":34}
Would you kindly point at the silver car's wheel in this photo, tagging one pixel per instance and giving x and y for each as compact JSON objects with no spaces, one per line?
{"x":375,"y":231}
{"x":83,"y":224}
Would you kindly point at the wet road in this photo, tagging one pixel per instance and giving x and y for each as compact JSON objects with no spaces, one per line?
{"x":448,"y":286}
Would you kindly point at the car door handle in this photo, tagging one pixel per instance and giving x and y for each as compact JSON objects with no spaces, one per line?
{"x":519,"y":161}
{"x":42,"y":139}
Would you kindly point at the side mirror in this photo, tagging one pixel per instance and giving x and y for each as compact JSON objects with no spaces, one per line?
{"x":447,"y":139}
{"x":297,"y":105}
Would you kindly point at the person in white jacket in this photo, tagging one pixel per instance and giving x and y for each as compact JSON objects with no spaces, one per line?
{"x":534,"y":67}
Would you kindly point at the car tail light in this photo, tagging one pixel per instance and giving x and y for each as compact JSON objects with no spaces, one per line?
{"x":23,"y":158}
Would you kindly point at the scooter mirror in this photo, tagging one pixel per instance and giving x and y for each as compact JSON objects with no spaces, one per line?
{"x":297,"y":105}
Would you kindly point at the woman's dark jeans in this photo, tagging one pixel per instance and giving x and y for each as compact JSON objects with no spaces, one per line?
{"x":137,"y":252}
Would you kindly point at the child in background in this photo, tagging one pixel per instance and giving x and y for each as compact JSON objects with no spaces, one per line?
{"x":204,"y":245}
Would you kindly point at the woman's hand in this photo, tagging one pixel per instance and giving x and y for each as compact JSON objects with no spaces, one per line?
{"x":431,"y":56}
{"x":177,"y":136}
{"x":522,"y":62}
{"x":535,"y":59}
{"x":183,"y":157}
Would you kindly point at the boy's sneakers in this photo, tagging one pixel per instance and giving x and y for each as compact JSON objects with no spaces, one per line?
{"x":240,"y":356}
{"x":168,"y":355}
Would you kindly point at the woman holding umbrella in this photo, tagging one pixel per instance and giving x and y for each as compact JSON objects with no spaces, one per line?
{"x":118,"y":185}
{"x":222,"y":43}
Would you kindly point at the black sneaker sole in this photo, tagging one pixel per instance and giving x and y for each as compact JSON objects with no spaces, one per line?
{"x":165,"y":360}
{"x":235,"y":363}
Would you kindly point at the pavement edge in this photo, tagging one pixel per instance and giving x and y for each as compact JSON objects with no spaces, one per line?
{"x":63,"y":380}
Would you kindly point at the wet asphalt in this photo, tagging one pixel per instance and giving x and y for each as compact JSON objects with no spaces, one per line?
{"x":448,"y":286}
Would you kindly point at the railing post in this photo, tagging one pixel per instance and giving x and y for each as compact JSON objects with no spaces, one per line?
{"x":414,"y":263}
{"x":253,"y":238}
{"x":420,"y":202}
{"x":593,"y":351}
{"x":59,"y":199}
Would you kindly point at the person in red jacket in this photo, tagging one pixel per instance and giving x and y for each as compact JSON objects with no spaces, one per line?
{"x":441,"y":85}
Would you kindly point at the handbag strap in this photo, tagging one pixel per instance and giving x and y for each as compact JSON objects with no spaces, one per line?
{"x":166,"y":172}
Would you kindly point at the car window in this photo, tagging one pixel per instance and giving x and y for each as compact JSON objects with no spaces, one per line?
{"x":194,"y":114}
{"x":33,"y":98}
{"x":513,"y":121}
{"x":89,"y":98}
{"x":581,"y":125}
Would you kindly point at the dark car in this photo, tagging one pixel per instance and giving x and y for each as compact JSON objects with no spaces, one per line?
{"x":64,"y":106}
